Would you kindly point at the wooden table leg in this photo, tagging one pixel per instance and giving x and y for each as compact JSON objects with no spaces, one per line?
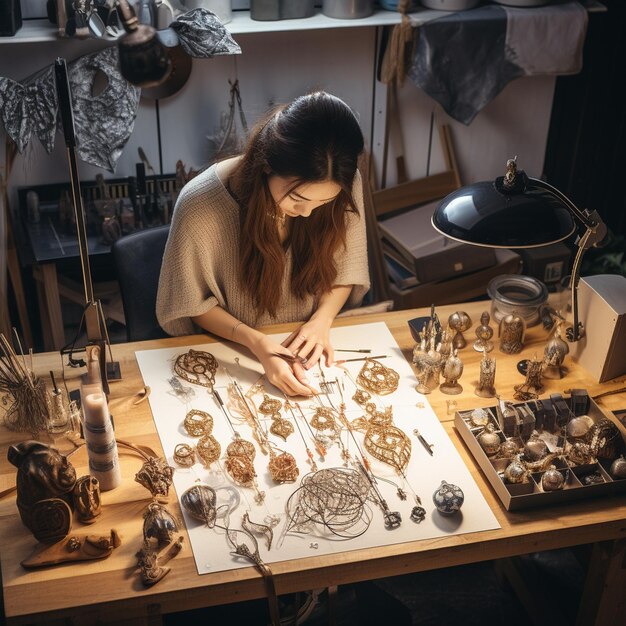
{"x":333,"y":592}
{"x":603,"y":601}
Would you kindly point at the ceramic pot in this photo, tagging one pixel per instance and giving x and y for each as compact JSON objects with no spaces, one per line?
{"x":448,"y":498}
{"x":348,"y":9}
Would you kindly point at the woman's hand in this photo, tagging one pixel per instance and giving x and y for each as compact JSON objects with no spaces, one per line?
{"x":289,"y":376}
{"x":310,"y":341}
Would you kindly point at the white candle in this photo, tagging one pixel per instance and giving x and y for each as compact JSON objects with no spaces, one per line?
{"x":100,"y":437}
{"x":95,"y":408}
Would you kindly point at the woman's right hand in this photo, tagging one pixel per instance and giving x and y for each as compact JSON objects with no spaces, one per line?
{"x":290,"y":378}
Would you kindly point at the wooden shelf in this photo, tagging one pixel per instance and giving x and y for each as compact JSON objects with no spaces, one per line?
{"x":42,"y":30}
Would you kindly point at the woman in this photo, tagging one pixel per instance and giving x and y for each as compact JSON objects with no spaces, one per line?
{"x":272,"y":236}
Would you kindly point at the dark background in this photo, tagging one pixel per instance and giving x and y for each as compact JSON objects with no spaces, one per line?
{"x":585,"y":150}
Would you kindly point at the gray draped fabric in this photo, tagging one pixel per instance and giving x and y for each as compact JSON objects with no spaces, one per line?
{"x":103,"y":122}
{"x":202,"y":34}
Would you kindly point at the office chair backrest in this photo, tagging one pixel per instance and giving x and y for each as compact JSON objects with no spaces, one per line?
{"x":138,"y":258}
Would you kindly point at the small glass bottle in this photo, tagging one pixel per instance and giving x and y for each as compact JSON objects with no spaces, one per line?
{"x":58,"y":413}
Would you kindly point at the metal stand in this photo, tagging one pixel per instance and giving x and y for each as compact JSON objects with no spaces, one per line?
{"x":94,"y":319}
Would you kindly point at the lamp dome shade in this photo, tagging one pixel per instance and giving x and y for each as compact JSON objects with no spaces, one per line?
{"x":483,"y":214}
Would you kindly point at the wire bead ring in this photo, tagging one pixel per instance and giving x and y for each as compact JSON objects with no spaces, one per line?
{"x":198,"y":423}
{"x":184,"y":455}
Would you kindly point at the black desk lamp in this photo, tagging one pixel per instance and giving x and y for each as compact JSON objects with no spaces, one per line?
{"x":516,"y":211}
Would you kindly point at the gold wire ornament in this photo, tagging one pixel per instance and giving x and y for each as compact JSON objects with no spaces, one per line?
{"x":241,"y":447}
{"x":208,"y":449}
{"x":197,"y":423}
{"x":184,"y":455}
{"x":239,"y":461}
{"x":197,"y":367}
{"x":247,"y":411}
{"x":361,"y":397}
{"x":280,"y":426}
{"x":383,"y":440}
{"x":269,"y":406}
{"x":324,"y":419}
{"x":377,"y":378}
{"x":283,"y":467}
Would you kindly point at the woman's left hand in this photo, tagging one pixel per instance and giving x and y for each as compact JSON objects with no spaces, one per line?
{"x":310,"y":341}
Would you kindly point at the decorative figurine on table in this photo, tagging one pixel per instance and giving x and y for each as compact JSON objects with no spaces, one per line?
{"x":445,"y":346}
{"x":459,"y":322}
{"x":425,"y":373}
{"x":73,"y":548}
{"x":451,"y":371}
{"x":159,"y":529}
{"x":486,"y":387}
{"x":532,"y":386}
{"x":511,"y":333}
{"x":484,"y":333}
{"x":428,"y":364}
{"x":45,"y":483}
{"x":448,"y":498}
{"x":152,"y":563}
{"x":159,"y":525}
{"x":554,"y":354}
{"x":87,"y":500}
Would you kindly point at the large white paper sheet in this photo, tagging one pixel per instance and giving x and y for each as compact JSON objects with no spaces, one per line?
{"x":424,"y":472}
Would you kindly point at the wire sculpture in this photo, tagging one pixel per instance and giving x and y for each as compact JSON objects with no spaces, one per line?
{"x":197,"y":367}
{"x":335,"y":500}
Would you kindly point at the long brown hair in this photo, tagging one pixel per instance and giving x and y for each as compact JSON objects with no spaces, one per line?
{"x":315,"y":138}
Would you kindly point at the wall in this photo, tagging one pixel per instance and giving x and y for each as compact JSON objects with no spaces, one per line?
{"x":275,"y":67}
{"x":272,"y":68}
{"x":279,"y":65}
{"x":516,"y":122}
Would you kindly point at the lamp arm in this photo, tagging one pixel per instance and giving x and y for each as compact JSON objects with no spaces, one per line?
{"x":577,"y":330}
{"x":594,"y":236}
{"x":590,"y":219}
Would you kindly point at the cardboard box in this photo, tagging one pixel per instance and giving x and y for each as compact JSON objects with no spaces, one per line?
{"x":458,"y":289}
{"x":516,"y":497}
{"x":549,"y":264}
{"x":602,"y":309}
{"x":411,"y":239}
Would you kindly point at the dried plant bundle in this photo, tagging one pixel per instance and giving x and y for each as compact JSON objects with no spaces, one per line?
{"x":23,"y":394}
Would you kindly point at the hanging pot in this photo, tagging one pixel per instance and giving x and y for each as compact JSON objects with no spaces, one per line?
{"x":181,"y":67}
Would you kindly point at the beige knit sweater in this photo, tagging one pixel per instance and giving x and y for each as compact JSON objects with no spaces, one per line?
{"x":200,"y":262}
